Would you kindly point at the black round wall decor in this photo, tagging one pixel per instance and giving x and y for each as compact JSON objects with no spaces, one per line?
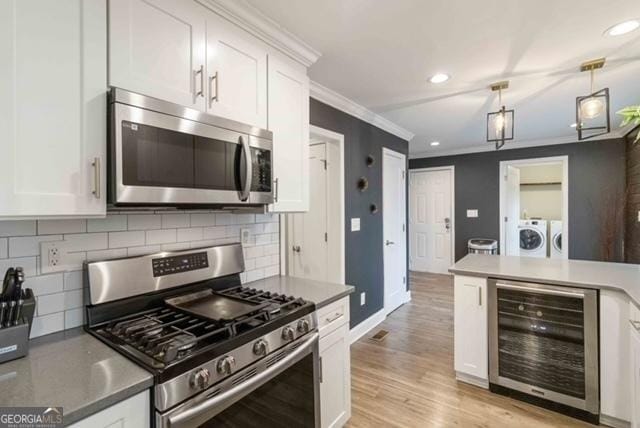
{"x":363,"y":184}
{"x":370,"y":160}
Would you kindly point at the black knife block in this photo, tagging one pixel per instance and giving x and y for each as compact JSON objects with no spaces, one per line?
{"x":14,"y":340}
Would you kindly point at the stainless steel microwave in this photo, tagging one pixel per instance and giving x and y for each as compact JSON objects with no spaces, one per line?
{"x":164,"y":154}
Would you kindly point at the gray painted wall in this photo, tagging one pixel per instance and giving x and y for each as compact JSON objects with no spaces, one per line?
{"x":363,"y":249}
{"x":596,"y":186}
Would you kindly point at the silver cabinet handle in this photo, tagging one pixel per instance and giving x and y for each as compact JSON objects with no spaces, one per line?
{"x":244,"y":194}
{"x":275,"y":191}
{"x":479,"y":296}
{"x":635,"y":324}
{"x":335,"y":317}
{"x":213,"y":97}
{"x":200,"y":93}
{"x":221,"y":401}
{"x":96,"y":177}
{"x":389,"y":242}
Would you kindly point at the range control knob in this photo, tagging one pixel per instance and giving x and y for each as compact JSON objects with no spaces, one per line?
{"x":260,"y":348}
{"x":303,"y":326}
{"x":200,"y":379}
{"x":226,"y":365}
{"x":287,"y":333}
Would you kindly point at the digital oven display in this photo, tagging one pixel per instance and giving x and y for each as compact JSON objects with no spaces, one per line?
{"x":176,"y":264}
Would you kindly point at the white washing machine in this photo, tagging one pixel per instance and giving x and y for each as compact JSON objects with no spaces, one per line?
{"x":555,"y":239}
{"x":533,"y":238}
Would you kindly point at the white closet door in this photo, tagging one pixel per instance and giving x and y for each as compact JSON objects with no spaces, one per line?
{"x":157,"y":48}
{"x":236,"y":73}
{"x":53,"y":87}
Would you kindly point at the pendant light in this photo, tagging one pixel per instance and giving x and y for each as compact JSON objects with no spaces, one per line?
{"x":592,"y":111}
{"x":500,"y":123}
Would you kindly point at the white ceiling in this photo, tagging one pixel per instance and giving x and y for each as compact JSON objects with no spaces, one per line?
{"x":380,"y":53}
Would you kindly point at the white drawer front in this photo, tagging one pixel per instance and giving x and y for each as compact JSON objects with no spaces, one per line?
{"x":333,"y":316}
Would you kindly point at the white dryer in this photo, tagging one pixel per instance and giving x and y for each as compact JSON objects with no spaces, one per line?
{"x":533,"y":238}
{"x":555,"y":239}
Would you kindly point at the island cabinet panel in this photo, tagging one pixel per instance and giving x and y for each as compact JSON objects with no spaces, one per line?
{"x":634,"y":329}
{"x":615,"y":382}
{"x":471,"y":330}
{"x":130,"y":413}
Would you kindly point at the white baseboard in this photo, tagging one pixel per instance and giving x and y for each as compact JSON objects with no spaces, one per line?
{"x":463,"y":377}
{"x":366,"y":326}
{"x":610,"y":421}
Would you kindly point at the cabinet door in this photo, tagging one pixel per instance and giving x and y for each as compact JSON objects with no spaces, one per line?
{"x":335,"y":387}
{"x":53,"y":110}
{"x":635,"y":377}
{"x":289,"y":121}
{"x":157,"y":48}
{"x":470,"y":327}
{"x":130,"y":413}
{"x":236,"y":73}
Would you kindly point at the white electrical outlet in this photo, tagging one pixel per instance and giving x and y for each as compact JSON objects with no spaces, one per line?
{"x":245,"y":236}
{"x":363,"y":298}
{"x":55,"y":257}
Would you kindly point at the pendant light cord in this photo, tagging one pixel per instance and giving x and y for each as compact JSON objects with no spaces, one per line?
{"x":592,"y":78}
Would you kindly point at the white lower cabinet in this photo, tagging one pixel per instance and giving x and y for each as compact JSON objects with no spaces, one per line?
{"x":335,"y":362}
{"x":133,"y":412}
{"x":634,"y":336}
{"x":471,"y":343}
{"x":53,"y":114}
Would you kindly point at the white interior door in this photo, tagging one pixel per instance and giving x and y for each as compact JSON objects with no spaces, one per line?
{"x":395,"y":242}
{"x":512,"y":205}
{"x":310,"y":250}
{"x":430,"y":221}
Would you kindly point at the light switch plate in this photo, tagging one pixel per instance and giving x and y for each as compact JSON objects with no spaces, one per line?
{"x":472,"y":213}
{"x":355,"y":224}
{"x":363,"y":298}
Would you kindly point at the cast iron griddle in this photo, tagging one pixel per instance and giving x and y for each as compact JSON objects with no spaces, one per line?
{"x":214,"y":306}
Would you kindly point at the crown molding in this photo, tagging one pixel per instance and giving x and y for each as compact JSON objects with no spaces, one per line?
{"x":334,"y":99}
{"x":257,"y":23}
{"x":489,"y":147}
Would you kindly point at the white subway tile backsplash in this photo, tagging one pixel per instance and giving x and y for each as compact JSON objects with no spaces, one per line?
{"x":24,"y":246}
{"x":60,"y":295}
{"x":161,"y":236}
{"x":126,"y":239}
{"x":112,"y":223}
{"x":86,"y":242}
{"x":18,"y":228}
{"x":4,"y":248}
{"x":203,"y":219}
{"x":53,"y":227}
{"x":191,"y":234}
{"x":45,"y":284}
{"x":73,"y":299}
{"x":73,"y":280}
{"x":47,"y":324}
{"x":144,"y":221}
{"x":170,"y":221}
{"x":50,"y":303}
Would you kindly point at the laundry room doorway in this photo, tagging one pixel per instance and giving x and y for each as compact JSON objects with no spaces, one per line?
{"x":534,"y":207}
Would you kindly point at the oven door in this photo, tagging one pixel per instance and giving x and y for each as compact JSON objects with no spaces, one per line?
{"x":160,"y":159}
{"x":281,"y":390}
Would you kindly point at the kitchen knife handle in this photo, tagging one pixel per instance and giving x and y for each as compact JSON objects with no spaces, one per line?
{"x":18,"y":315}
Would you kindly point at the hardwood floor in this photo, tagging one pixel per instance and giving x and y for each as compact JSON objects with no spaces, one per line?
{"x":407,"y":380}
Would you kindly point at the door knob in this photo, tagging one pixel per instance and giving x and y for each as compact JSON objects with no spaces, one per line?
{"x":296,"y":248}
{"x":447,"y":223}
{"x":389,"y":242}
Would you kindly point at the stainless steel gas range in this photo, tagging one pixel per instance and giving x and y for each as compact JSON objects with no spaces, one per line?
{"x":221,"y":354}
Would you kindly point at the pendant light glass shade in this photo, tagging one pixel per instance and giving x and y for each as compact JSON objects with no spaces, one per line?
{"x":592,"y":111}
{"x":500,"y":123}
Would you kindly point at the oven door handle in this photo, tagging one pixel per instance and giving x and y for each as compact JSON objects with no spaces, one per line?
{"x":246,"y":190}
{"x":244,"y":387}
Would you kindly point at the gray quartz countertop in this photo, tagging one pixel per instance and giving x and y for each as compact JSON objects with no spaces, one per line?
{"x":74,"y":370}
{"x":578,"y":273}
{"x":319,"y":292}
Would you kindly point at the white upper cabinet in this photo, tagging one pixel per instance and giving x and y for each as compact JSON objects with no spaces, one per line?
{"x":157,"y":48}
{"x":236,"y":73}
{"x":289,"y":122}
{"x":53,"y":83}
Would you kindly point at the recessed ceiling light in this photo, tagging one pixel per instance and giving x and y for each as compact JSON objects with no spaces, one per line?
{"x":434,"y":143}
{"x":623,"y":28}
{"x":439,"y":78}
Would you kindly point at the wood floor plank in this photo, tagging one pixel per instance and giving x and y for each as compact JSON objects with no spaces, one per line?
{"x":408,"y":380}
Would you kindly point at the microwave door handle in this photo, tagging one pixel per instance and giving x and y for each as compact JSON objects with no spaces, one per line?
{"x":239,"y":391}
{"x":244,"y":193}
